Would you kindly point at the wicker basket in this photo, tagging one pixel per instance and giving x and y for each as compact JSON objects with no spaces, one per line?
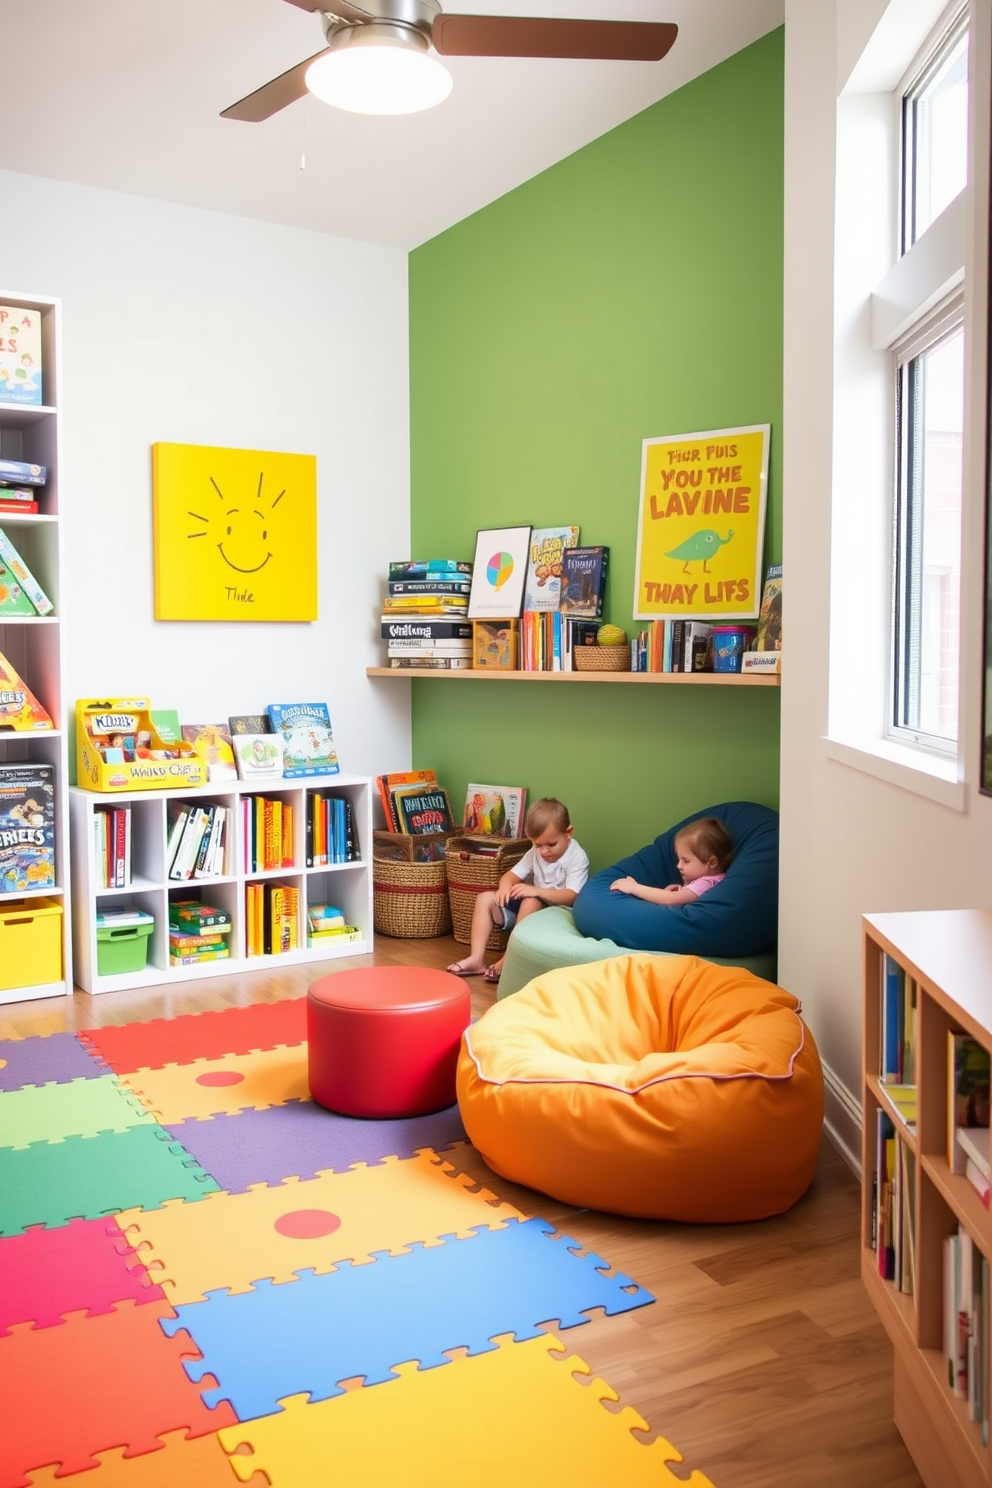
{"x":470,"y":872}
{"x":601,"y":658}
{"x":410,"y":900}
{"x":399,"y":847}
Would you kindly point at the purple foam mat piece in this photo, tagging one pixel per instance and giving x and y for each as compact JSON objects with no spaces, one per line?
{"x":300,"y":1138}
{"x":58,"y":1058}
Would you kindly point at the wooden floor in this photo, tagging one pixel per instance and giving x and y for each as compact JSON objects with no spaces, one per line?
{"x":761,"y":1360}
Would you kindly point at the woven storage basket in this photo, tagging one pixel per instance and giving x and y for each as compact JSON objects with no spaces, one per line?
{"x":399,"y":847}
{"x":470,"y":872}
{"x":601,"y":658}
{"x":410,"y":900}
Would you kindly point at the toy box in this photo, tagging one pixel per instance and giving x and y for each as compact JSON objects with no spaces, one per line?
{"x":118,"y":748}
{"x":30,"y":942}
{"x":27,"y":827}
{"x":122,"y":947}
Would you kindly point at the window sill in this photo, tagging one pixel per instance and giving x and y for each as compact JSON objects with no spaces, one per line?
{"x":908,"y":769}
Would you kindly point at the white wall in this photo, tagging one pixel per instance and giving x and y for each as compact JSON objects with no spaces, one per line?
{"x":853,"y":842}
{"x":196,"y":327}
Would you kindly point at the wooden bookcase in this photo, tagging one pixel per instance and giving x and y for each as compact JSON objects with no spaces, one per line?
{"x":348,"y":885}
{"x":34,"y":644}
{"x":949,"y":954}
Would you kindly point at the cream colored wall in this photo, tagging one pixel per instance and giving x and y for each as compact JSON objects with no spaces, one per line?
{"x":197,"y":327}
{"x":853,"y":842}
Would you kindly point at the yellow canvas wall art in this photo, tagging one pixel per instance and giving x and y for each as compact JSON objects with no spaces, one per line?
{"x":235,"y":533}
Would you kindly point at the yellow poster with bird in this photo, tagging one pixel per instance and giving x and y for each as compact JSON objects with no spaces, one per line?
{"x":235,"y":533}
{"x":701,"y":525}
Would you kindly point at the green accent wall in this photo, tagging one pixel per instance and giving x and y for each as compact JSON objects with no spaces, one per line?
{"x":631,"y":291}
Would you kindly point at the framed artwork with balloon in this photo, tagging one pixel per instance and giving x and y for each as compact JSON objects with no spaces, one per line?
{"x":701,"y":525}
{"x":498,"y":573}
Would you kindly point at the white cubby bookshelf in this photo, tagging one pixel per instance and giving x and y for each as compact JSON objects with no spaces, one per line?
{"x":34,"y":644}
{"x":348,"y":885}
{"x":948,"y":955}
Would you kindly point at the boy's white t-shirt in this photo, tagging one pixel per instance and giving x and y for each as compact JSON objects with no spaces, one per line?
{"x":570,"y":871}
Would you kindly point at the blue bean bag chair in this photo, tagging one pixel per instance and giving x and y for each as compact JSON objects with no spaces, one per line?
{"x":737,"y":918}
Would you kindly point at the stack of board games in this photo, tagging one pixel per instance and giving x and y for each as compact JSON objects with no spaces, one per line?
{"x":27,"y":827}
{"x":424,"y":620}
{"x":197,"y":932}
{"x":21,"y":485}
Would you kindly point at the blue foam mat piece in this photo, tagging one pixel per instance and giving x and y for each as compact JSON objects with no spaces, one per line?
{"x":309,"y":1334}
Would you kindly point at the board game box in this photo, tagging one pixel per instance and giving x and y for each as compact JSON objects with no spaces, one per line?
{"x":27,"y":827}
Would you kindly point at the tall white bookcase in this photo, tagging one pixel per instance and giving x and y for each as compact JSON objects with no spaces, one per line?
{"x":33,"y":644}
{"x":347,"y":885}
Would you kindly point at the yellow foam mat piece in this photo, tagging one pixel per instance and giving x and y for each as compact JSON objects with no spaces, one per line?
{"x":485,"y":1420}
{"x":234,"y":1240}
{"x":214,"y":1087}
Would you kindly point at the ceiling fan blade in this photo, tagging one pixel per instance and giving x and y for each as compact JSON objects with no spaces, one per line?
{"x":534,"y":36}
{"x":272,"y":96}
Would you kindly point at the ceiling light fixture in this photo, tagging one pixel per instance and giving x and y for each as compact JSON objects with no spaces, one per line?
{"x":378,"y":68}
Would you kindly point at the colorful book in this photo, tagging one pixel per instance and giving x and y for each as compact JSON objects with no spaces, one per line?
{"x":212,"y":742}
{"x":13,"y":599}
{"x":967,"y":1093}
{"x":422,"y":568}
{"x":583,"y":581}
{"x":307,"y":738}
{"x":542,"y":586}
{"x":21,"y":508}
{"x":430,"y":585}
{"x":13,"y":560}
{"x":20,"y":710}
{"x":193,"y":917}
{"x":322,"y":917}
{"x":250,"y":723}
{"x":769,"y":636}
{"x":425,"y":628}
{"x":257,"y":756}
{"x":20,"y":355}
{"x":495,"y":810}
{"x":421,"y":811}
{"x":27,"y":827}
{"x":386,"y":784}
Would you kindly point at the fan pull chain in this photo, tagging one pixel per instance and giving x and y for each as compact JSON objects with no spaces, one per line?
{"x":306,"y":122}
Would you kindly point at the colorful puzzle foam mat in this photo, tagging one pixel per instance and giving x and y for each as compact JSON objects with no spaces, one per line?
{"x":265,"y":1279}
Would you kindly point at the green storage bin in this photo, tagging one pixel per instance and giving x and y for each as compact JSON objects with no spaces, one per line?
{"x":122,"y":947}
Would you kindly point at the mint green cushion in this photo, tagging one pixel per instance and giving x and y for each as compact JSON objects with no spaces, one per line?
{"x":550,"y":939}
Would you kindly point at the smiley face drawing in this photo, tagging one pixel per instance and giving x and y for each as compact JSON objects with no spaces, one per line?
{"x":235,"y":534}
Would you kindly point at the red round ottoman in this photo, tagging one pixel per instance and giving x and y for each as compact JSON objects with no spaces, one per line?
{"x":384,"y":1040}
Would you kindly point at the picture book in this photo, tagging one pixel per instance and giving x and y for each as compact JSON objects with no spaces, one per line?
{"x":257,"y":756}
{"x":769,"y":637}
{"x":250,"y":723}
{"x":496,"y":810}
{"x":20,"y":355}
{"x":10,"y":555}
{"x":385,"y":785}
{"x":20,"y":710}
{"x":307,"y":738}
{"x":423,"y":811}
{"x":27,"y":827}
{"x":165,"y":721}
{"x":583,"y":581}
{"x":212,"y":742}
{"x":542,"y":587}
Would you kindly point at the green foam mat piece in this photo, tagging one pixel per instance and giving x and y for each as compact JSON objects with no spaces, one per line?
{"x":85,"y":1177}
{"x":80,"y":1108}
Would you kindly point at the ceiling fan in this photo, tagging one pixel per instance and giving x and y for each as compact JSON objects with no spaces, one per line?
{"x":402,"y":32}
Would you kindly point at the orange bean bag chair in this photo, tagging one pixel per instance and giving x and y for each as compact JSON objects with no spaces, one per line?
{"x":663,"y":1087}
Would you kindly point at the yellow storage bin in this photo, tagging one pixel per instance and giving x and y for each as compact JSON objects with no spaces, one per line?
{"x":30,"y":942}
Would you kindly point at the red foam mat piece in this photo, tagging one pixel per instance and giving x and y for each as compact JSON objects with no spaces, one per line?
{"x":96,"y":1383}
{"x":84,"y":1265}
{"x":237,"y":1030}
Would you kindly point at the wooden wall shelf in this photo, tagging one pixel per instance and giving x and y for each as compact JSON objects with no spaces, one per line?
{"x":680,"y":679}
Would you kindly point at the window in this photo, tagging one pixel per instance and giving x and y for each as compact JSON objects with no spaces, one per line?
{"x":927,"y":545}
{"x":935,"y":133}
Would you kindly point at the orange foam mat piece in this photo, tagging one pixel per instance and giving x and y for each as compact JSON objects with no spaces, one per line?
{"x":197,"y":1463}
{"x":476,"y":1420}
{"x":95,"y":1383}
{"x":212,"y":1087}
{"x":234,"y":1240}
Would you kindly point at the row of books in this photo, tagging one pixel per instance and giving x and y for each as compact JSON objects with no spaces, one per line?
{"x":267,"y":827}
{"x":436,"y":586}
{"x":897,"y":1052}
{"x":966,"y":1325}
{"x":894,"y":1207}
{"x":112,"y":847}
{"x":331,"y":832}
{"x":196,"y":846}
{"x":272,"y":912}
{"x":20,"y":592}
{"x":414,"y":804}
{"x":198,"y":932}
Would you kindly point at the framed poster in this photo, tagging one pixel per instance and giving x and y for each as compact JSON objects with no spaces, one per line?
{"x":235,"y":533}
{"x":701,"y":524}
{"x":498,"y":573}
